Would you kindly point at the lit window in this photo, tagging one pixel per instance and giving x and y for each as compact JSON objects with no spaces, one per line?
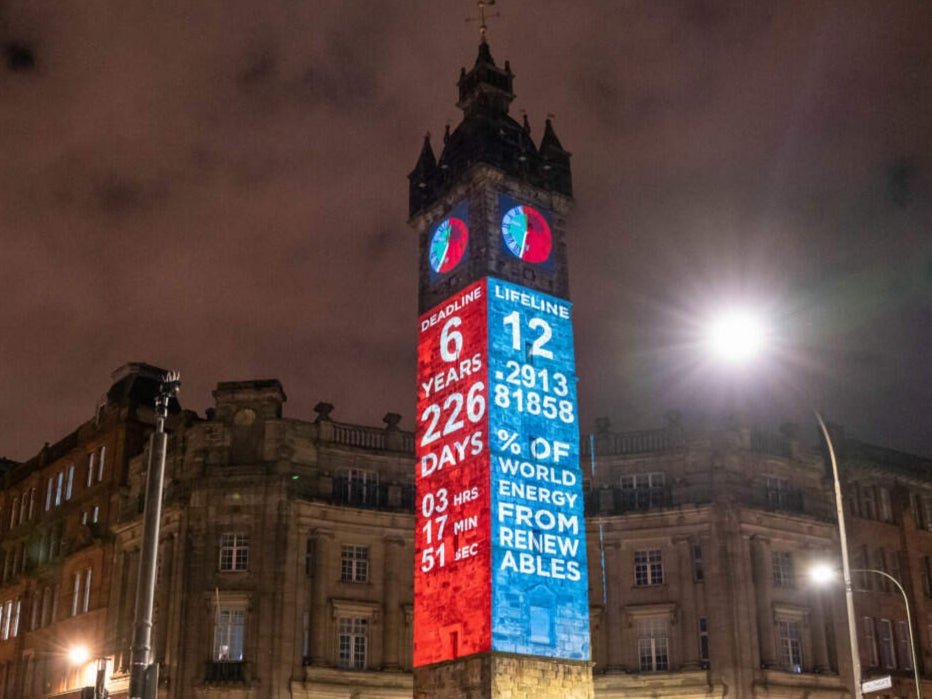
{"x":229,"y":628}
{"x":5,"y":613}
{"x":70,"y":484}
{"x":791,"y":653}
{"x":352,"y":642}
{"x":234,"y":552}
{"x":354,"y":564}
{"x":783,"y":569}
{"x":14,"y":624}
{"x":100,"y":464}
{"x":648,"y":567}
{"x":58,"y":488}
{"x":653,"y":645}
{"x":87,"y":591}
{"x":76,"y":594}
{"x":90,"y":469}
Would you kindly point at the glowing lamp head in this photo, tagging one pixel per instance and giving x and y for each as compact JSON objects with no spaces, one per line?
{"x":78,"y":655}
{"x":822,"y":574}
{"x":736,"y":337}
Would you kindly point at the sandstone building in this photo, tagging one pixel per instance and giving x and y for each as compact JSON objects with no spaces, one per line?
{"x":286,"y":557}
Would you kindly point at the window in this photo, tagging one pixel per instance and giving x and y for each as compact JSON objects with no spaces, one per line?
{"x":352,"y":642}
{"x":81,"y":599}
{"x":102,"y":457}
{"x":921,"y":506}
{"x":903,"y":646}
{"x":58,"y":488}
{"x":893,"y":559}
{"x":229,"y":628}
{"x":861,"y":580}
{"x":234,"y":552}
{"x":783,"y":569}
{"x":698,"y":568}
{"x":868,"y":647}
{"x":653,"y":645}
{"x":885,"y":636}
{"x":354,"y":564}
{"x":70,"y":483}
{"x":90,"y":469}
{"x":880,"y":563}
{"x":48,"y":495}
{"x":648,"y":567}
{"x":86,"y":605}
{"x":309,"y":557}
{"x":886,"y":508}
{"x":868,"y":502}
{"x":703,"y":642}
{"x":32,"y":503}
{"x":14,"y":622}
{"x":779,"y":494}
{"x":14,"y":511}
{"x":5,"y":613}
{"x":791,"y":652}
{"x":644,"y":490}
{"x":76,"y":593}
{"x":359,"y":487}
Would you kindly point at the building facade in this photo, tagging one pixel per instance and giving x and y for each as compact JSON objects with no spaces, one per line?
{"x":287,"y":550}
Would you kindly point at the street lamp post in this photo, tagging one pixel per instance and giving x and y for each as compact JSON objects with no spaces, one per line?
{"x":845,"y":567}
{"x":100,"y":681}
{"x":143,"y":679}
{"x":737,"y":337}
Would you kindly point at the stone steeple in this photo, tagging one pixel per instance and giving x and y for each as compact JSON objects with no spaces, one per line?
{"x":487,"y":134}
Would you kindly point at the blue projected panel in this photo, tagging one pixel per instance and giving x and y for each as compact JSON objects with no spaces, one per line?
{"x":539,"y":582}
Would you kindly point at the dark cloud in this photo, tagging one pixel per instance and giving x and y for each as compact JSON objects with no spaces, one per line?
{"x":221,"y":188}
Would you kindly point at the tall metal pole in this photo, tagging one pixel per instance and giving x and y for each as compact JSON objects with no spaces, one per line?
{"x":909,"y":621}
{"x":845,"y":568}
{"x":143,"y":678}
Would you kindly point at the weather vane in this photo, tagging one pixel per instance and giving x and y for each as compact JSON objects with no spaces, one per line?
{"x":483,"y":27}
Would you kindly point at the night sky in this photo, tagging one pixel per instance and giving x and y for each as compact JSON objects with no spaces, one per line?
{"x":220,"y":188}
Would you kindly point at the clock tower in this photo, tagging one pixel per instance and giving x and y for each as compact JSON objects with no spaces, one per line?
{"x":501,"y":592}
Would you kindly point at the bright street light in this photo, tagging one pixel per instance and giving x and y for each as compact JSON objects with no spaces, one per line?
{"x":78,"y":655}
{"x":737,"y":336}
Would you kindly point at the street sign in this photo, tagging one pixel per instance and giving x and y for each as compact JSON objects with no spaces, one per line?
{"x":877,"y":684}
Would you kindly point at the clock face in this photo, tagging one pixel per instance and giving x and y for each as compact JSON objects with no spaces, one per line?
{"x":448,"y":244}
{"x":527,"y":234}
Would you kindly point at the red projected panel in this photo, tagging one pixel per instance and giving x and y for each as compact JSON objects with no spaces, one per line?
{"x":452,"y":582}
